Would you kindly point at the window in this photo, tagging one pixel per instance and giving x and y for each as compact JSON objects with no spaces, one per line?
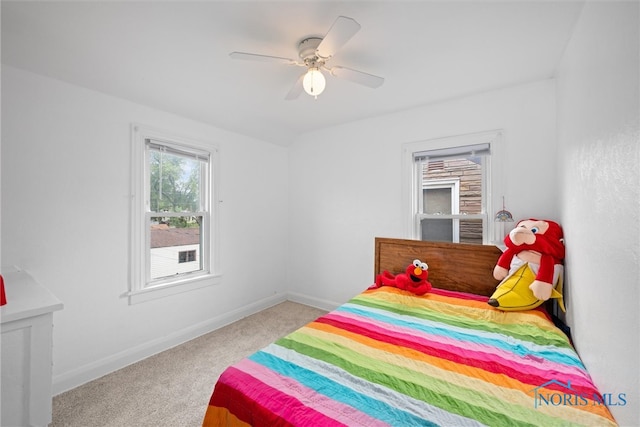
{"x":173,"y":215}
{"x":187,"y":256}
{"x":449,"y":188}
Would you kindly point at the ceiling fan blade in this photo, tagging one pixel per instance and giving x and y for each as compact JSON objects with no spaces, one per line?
{"x":296,"y":89}
{"x":355,"y":76}
{"x":340,"y":32}
{"x":261,"y":58}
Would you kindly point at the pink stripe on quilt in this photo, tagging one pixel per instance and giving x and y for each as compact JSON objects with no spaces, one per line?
{"x":474,"y":351}
{"x":323,"y":405}
{"x":273,"y":400}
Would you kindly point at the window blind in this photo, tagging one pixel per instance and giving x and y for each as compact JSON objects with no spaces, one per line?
{"x":452,"y":152}
{"x":176,"y":150}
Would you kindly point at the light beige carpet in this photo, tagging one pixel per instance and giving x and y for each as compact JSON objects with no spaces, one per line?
{"x":173,"y":388}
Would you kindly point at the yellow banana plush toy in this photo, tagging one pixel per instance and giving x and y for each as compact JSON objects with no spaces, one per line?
{"x":513,"y":293}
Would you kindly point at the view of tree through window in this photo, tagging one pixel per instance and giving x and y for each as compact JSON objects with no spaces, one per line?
{"x":174,"y":183}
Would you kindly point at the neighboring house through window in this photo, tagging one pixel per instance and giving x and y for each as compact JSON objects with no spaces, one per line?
{"x":448,"y":188}
{"x":173,"y":214}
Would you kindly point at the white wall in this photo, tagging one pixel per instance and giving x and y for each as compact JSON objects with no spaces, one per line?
{"x":65,"y":219}
{"x":599,"y":145}
{"x":346,"y":181}
{"x":65,"y":185}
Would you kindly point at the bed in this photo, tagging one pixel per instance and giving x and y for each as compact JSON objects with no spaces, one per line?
{"x":389,"y":357}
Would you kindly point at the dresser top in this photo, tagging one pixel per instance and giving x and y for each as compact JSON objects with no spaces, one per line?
{"x":26,"y":298}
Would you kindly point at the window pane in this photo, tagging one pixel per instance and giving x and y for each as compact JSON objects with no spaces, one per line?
{"x":437,"y":201}
{"x":175,"y":246}
{"x":471,"y":231}
{"x":443,"y":229}
{"x":174,"y":182}
{"x":436,"y":230}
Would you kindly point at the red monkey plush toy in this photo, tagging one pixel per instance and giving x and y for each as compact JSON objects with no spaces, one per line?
{"x":414,"y":279}
{"x":534,"y":241}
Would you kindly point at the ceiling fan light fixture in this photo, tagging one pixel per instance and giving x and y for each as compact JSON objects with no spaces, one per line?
{"x":314,"y":82}
{"x":314,"y":52}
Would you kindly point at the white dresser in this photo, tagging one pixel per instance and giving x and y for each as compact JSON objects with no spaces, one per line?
{"x":27,"y":328}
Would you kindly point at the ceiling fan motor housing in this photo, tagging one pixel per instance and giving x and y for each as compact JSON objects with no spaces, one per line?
{"x":307,"y":50}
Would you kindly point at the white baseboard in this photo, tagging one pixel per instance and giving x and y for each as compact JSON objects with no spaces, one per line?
{"x":312,"y":301}
{"x":91,"y":371}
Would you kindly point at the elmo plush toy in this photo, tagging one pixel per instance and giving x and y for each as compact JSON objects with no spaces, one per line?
{"x":535,"y":245}
{"x":414,"y":279}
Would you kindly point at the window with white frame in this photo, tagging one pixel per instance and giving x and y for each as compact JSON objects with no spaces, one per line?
{"x":173,"y":214}
{"x":449,"y":194}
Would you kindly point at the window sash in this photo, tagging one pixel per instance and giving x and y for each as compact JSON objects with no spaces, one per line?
{"x":203,"y":212}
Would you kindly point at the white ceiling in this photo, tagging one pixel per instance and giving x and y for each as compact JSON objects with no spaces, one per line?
{"x":174,"y":56}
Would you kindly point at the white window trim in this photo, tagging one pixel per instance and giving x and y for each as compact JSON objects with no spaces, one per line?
{"x":138,"y":291}
{"x":493,"y":185}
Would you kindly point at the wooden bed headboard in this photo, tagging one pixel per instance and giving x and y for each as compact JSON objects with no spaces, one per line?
{"x":453,"y":266}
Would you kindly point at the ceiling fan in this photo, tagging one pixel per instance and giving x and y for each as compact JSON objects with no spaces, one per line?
{"x":314,"y":52}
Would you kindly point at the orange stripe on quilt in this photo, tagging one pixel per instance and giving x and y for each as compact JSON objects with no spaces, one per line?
{"x":221,"y":417}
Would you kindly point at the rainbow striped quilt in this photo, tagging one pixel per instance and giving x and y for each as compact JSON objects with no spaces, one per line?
{"x":390,"y":358}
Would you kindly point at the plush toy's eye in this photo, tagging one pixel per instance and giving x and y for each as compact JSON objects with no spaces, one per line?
{"x":416,"y":263}
{"x":424,"y":266}
{"x":534,"y":230}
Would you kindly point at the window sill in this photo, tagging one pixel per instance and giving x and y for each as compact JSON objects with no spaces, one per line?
{"x":160,"y":291}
